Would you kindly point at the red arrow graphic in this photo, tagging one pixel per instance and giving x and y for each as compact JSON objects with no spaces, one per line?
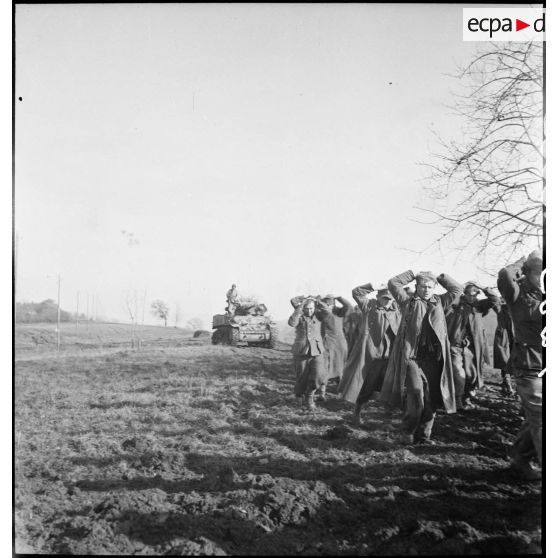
{"x":519,"y":25}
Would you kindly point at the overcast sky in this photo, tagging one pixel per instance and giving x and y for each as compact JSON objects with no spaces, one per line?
{"x":176,"y":149}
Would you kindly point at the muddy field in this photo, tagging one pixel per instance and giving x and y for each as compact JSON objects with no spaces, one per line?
{"x":204,"y":450}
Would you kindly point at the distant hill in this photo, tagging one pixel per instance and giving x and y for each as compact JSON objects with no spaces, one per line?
{"x":42,"y":336}
{"x":40,"y":312}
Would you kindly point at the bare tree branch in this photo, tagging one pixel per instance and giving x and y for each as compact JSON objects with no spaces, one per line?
{"x":485,"y":189}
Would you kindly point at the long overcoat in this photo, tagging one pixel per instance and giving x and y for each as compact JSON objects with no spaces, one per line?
{"x":413,"y":311}
{"x":335,"y":342}
{"x":524,"y":303}
{"x":375,"y":324}
{"x":503,"y":338}
{"x":351,"y":325}
{"x":462,"y":310}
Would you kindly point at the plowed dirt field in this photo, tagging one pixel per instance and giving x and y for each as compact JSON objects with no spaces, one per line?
{"x":203,"y":449}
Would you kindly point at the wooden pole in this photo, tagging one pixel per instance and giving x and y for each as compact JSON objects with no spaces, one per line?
{"x":77,"y":312}
{"x":143,"y":307}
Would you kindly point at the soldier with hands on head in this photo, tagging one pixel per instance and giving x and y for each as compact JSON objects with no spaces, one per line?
{"x":419,"y":375}
{"x":308,"y":349}
{"x":467,"y":340}
{"x":520,"y":285}
{"x":365,"y":370}
{"x":335,"y":343}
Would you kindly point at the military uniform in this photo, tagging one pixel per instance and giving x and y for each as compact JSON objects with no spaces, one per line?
{"x":468,"y":343}
{"x":503,"y":341}
{"x":308,"y":352}
{"x":351,"y":325}
{"x":524,"y":300}
{"x":335,"y":343}
{"x":365,"y":370}
{"x":232,"y":300}
{"x":419,"y":375}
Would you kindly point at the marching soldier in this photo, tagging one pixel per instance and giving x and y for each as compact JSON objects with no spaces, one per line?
{"x":365,"y":370}
{"x":467,"y":341}
{"x":520,"y":285}
{"x":419,"y":375}
{"x":308,"y":349}
{"x":503,"y":341}
{"x":334,"y":339}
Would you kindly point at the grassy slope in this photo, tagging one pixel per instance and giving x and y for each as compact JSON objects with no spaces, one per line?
{"x":203,"y":449}
{"x":42,"y":336}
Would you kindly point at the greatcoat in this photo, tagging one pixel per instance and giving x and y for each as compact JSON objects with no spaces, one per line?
{"x":351,"y":326}
{"x":524,"y":303}
{"x":461,"y":314}
{"x":376,"y":334}
{"x":335,"y":342}
{"x":503,"y":338}
{"x":413,"y":311}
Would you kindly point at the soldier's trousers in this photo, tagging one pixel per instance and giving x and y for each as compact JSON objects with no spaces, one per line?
{"x":309,"y":374}
{"x":465,"y":374}
{"x":374,"y":374}
{"x":422,"y":396}
{"x":529,"y":438}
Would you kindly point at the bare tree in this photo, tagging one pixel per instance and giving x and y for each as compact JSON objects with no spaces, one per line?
{"x":160,"y":310}
{"x":488,"y":188}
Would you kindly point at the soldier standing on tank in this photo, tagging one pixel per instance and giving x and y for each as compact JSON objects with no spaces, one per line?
{"x":503,"y":341}
{"x":520,"y":285}
{"x":308,"y":349}
{"x":335,"y":343}
{"x":232,"y":299}
{"x":419,"y":375}
{"x":366,"y":367}
{"x":467,"y":340}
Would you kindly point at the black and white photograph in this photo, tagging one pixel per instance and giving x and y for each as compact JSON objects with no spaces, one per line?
{"x":279,"y":279}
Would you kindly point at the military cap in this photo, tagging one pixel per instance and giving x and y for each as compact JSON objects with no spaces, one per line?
{"x":471,"y":284}
{"x":383,"y":291}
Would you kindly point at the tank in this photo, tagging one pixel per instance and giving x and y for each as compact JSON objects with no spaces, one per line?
{"x":248,"y":325}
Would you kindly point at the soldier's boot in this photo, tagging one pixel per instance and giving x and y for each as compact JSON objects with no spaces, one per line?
{"x":321,"y":395}
{"x":468,"y":404}
{"x":507,"y":387}
{"x":523,"y":469}
{"x":356,"y":415}
{"x":309,"y":402}
{"x":424,"y":432}
{"x":405,"y":438}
